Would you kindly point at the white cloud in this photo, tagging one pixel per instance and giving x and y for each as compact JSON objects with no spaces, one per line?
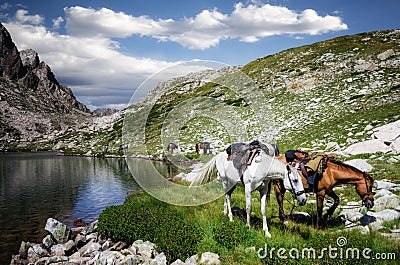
{"x":23,"y":17}
{"x":206,"y":29}
{"x":89,"y":60}
{"x":57,"y":22}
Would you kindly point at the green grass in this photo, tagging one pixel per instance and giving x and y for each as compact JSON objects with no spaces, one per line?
{"x":208,"y":229}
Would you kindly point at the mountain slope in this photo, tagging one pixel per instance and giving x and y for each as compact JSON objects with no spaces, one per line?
{"x":34,"y":107}
{"x":312,"y":95}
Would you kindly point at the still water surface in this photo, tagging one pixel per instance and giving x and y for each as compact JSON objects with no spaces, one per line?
{"x":37,"y":186}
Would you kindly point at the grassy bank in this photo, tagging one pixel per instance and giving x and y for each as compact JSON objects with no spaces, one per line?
{"x":183,"y":231}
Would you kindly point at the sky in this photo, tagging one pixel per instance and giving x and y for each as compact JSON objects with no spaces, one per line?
{"x":105,"y":50}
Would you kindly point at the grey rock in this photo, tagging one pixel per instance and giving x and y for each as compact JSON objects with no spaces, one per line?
{"x":37,"y":251}
{"x":23,"y":249}
{"x":58,"y":250}
{"x":178,"y":262}
{"x":80,"y":240}
{"x":386,"y":202}
{"x":385,"y":184}
{"x":388,"y":133}
{"x":70,"y":248}
{"x":209,"y":258}
{"x":90,"y":228}
{"x":108,"y":257}
{"x":395,"y":146}
{"x":59,"y":230}
{"x":386,"y":54}
{"x":89,"y":249}
{"x":193,"y":260}
{"x":52,"y":260}
{"x":160,"y":259}
{"x":367,"y":147}
{"x":145,"y":249}
{"x":132,"y":260}
{"x":385,"y":215}
{"x":383,"y":193}
{"x":49,"y":241}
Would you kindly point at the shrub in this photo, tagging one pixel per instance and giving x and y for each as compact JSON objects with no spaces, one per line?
{"x":232,"y":234}
{"x":146,"y":218}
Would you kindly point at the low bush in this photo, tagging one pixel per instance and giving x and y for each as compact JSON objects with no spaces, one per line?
{"x":146,"y":218}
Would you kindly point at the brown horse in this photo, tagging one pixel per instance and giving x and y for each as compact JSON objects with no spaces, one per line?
{"x":335,"y":173}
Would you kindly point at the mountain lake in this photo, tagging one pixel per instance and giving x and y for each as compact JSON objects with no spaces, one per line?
{"x":35,"y":186}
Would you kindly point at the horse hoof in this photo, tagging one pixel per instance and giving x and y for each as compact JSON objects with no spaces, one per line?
{"x":285,"y":222}
{"x":267,"y":234}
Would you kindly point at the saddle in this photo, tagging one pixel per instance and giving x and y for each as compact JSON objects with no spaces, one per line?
{"x":316,"y":166}
{"x":243,"y":154}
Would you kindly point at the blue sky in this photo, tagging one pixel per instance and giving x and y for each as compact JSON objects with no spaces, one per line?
{"x":104,"y":50}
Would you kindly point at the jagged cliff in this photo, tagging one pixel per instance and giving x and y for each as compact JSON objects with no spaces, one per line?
{"x":34,"y":107}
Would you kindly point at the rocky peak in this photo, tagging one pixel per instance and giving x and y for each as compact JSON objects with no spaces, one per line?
{"x":26,"y":69}
{"x":11,"y":66}
{"x":30,"y":58}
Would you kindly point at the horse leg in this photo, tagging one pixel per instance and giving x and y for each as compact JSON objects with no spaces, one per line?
{"x":320,"y":204}
{"x":263,"y":197}
{"x":247,"y":190}
{"x":332,"y":209}
{"x":227,"y":203}
{"x":279,"y":194}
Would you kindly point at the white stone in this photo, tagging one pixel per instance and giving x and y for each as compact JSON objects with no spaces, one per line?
{"x":367,"y":147}
{"x":209,"y":258}
{"x":395,"y":146}
{"x":385,"y":215}
{"x":383,"y":193}
{"x":386,"y":202}
{"x":388,"y":133}
{"x":386,"y":54}
{"x":361,"y":164}
{"x":385,"y":184}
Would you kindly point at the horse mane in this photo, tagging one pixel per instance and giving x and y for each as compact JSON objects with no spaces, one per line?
{"x":339,"y":163}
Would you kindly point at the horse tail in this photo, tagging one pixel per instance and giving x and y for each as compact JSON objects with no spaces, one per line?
{"x":204,"y":175}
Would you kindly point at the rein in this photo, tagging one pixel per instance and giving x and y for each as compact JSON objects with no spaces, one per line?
{"x":293,"y":195}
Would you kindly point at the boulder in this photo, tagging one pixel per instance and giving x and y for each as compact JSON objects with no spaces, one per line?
{"x":361,"y":164}
{"x":385,"y":215}
{"x":160,"y":259}
{"x":59,"y":230}
{"x":395,"y":146}
{"x":385,"y":184}
{"x":108,"y":257}
{"x":209,"y":258}
{"x":145,"y":249}
{"x":388,"y":133}
{"x":367,"y":147}
{"x":386,"y":202}
{"x":386,"y":54}
{"x":89,"y":249}
{"x":192,"y":260}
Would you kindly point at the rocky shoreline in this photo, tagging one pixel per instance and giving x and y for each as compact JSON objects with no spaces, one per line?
{"x":84,"y":245}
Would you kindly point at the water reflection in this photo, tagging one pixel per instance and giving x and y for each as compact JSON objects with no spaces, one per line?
{"x":36,"y":186}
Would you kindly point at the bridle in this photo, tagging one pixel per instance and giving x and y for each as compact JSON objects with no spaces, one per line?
{"x":293,"y":191}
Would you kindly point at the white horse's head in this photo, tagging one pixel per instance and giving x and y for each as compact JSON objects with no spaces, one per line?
{"x":293,"y":183}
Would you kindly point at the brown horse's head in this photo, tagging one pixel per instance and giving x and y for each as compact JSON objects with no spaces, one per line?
{"x":365,"y":191}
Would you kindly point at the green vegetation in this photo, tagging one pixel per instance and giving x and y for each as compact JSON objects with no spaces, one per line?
{"x":180,"y":232}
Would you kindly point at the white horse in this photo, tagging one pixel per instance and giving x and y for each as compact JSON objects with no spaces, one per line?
{"x":257,"y":176}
